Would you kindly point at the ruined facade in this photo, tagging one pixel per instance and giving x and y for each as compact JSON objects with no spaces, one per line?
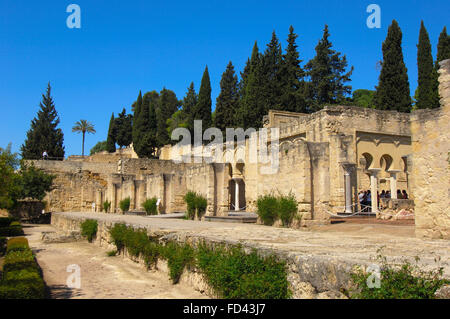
{"x":324,"y":159}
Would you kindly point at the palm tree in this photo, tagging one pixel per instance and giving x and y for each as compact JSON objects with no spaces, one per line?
{"x":84,"y":127}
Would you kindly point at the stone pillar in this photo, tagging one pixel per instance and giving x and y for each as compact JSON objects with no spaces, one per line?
{"x":348,"y":168}
{"x":374,"y":188}
{"x":236,"y":199}
{"x":393,"y":184}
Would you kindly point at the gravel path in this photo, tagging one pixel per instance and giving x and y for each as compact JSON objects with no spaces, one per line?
{"x":101,"y":276}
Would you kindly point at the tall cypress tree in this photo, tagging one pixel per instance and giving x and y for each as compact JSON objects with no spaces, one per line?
{"x":189,"y":103}
{"x":443,"y":47}
{"x":427,"y":94}
{"x":292,"y":95}
{"x":44,"y":134}
{"x":111,"y":139}
{"x":228,"y":100}
{"x":144,"y":146}
{"x":136,"y":108}
{"x":123,"y":125}
{"x":272,"y":65}
{"x":168,"y":104}
{"x":202,"y":110}
{"x":327,"y":74}
{"x":393,"y":91}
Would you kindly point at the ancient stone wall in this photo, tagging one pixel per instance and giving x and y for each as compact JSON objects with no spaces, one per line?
{"x":431,"y":163}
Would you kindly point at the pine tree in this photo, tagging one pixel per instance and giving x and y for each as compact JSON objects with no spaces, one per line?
{"x":271,"y":68}
{"x":124,"y":127}
{"x":44,"y":134}
{"x":227,"y":103}
{"x":111,"y":139}
{"x":292,"y":95}
{"x":136,"y":108}
{"x":443,"y":47}
{"x":427,"y":94}
{"x":327,"y":74}
{"x":168,"y":104}
{"x":392,"y":92}
{"x":202,"y":110}
{"x":189,"y":103}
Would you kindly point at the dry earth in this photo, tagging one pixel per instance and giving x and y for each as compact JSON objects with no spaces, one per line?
{"x":101,"y":276}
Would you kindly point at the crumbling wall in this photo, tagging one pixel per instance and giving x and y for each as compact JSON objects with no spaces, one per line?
{"x":431,"y":163}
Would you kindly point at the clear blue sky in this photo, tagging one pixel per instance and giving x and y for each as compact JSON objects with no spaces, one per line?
{"x":127,"y":46}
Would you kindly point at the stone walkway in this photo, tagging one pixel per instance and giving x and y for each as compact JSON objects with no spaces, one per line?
{"x":101,"y":276}
{"x":355,"y":243}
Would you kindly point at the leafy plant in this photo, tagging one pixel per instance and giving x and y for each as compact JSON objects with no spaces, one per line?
{"x":124,"y":204}
{"x":178,"y":256}
{"x":267,"y":209}
{"x":106,"y":206}
{"x":287,"y":208}
{"x":111,"y":253}
{"x":196,"y":205}
{"x":18,"y":243}
{"x":150,"y":206}
{"x":403,"y":281}
{"x":89,"y":229}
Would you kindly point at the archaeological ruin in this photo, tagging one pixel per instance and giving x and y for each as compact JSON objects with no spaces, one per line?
{"x":324,"y":159}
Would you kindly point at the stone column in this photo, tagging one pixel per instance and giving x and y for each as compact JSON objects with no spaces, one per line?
{"x":236,"y":199}
{"x":374,"y":188}
{"x":348,"y":168}
{"x":393,"y":184}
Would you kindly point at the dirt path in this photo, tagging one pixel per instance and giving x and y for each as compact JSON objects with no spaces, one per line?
{"x":101,"y":276}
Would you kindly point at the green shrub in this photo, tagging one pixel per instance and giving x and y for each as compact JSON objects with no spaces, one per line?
{"x":11,"y":231}
{"x":287,"y":209}
{"x":404,"y":281}
{"x":3,"y":241}
{"x":118,"y":233}
{"x":234,"y":274}
{"x":267,"y":209}
{"x":124,"y":204}
{"x":151,"y":252}
{"x":135,"y":241}
{"x":15,"y":223}
{"x":6,"y":221}
{"x":178,"y":256}
{"x":111,"y":253}
{"x":106,"y":206}
{"x":23,"y":289}
{"x":150,"y":206}
{"x":89,"y":229}
{"x":196,"y":205}
{"x":18,"y":243}
{"x":18,"y":260}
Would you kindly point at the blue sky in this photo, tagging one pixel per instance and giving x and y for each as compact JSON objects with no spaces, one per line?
{"x":127,"y":46}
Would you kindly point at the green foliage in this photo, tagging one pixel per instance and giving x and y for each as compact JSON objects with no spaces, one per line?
{"x":189,"y":103}
{"x":178,"y":256}
{"x":19,"y":243}
{"x":168,"y":104}
{"x":21,"y":274}
{"x":227,"y":103}
{"x":89,"y":229}
{"x":327,"y":73}
{"x":443,"y":47}
{"x":145,"y":124}
{"x":202,"y":110}
{"x":123,"y":129}
{"x":393,"y":91}
{"x":267,"y":209}
{"x":364,"y":98}
{"x":234,"y":274}
{"x":6,"y":221}
{"x":287,"y":208}
{"x":9,"y":186}
{"x":427,"y":89}
{"x":12,"y":230}
{"x":111,"y":138}
{"x":118,"y":234}
{"x":404,"y":281}
{"x":106,"y":206}
{"x":112,"y":253}
{"x":124,"y":204}
{"x":44,"y":134}
{"x":99,"y":147}
{"x":3,"y":241}
{"x":34,"y":182}
{"x":150,"y":206}
{"x":83,"y":127}
{"x":196,"y":205}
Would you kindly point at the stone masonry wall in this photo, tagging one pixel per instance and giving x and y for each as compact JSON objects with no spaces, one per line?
{"x":431,"y":163}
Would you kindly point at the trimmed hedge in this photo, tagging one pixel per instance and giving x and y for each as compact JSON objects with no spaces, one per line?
{"x":6,"y":221}
{"x":21,"y":274}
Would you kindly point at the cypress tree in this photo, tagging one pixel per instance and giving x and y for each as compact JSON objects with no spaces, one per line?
{"x":146,"y":124}
{"x":392,"y":92}
{"x":136,"y":108}
{"x":123,"y":125}
{"x":111,"y":139}
{"x":202,"y":110}
{"x":443,"y":47}
{"x":189,"y":103}
{"x":228,"y":100}
{"x":292,"y":98}
{"x":272,"y":65}
{"x":427,"y":94}
{"x":327,"y":74}
{"x":168,"y":104}
{"x":44,"y":134}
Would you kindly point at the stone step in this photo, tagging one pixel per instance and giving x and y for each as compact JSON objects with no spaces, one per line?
{"x":232,"y":219}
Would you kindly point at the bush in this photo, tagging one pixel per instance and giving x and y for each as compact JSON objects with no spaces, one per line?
{"x":111,"y":253}
{"x":11,"y":231}
{"x":234,"y":274}
{"x":178,"y":256}
{"x":124,"y":204}
{"x":19,"y":243}
{"x":404,"y":281}
{"x":196,"y":205}
{"x":89,"y":229}
{"x":118,"y":234}
{"x":287,"y":209}
{"x":267,"y":209}
{"x":150,"y":206}
{"x":106,"y":206}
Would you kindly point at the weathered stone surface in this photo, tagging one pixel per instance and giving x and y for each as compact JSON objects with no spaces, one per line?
{"x":443,"y":292}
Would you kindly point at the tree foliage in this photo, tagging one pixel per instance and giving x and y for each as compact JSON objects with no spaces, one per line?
{"x":99,"y":147}
{"x":124,"y":129}
{"x":228,"y":100}
{"x":111,"y":139}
